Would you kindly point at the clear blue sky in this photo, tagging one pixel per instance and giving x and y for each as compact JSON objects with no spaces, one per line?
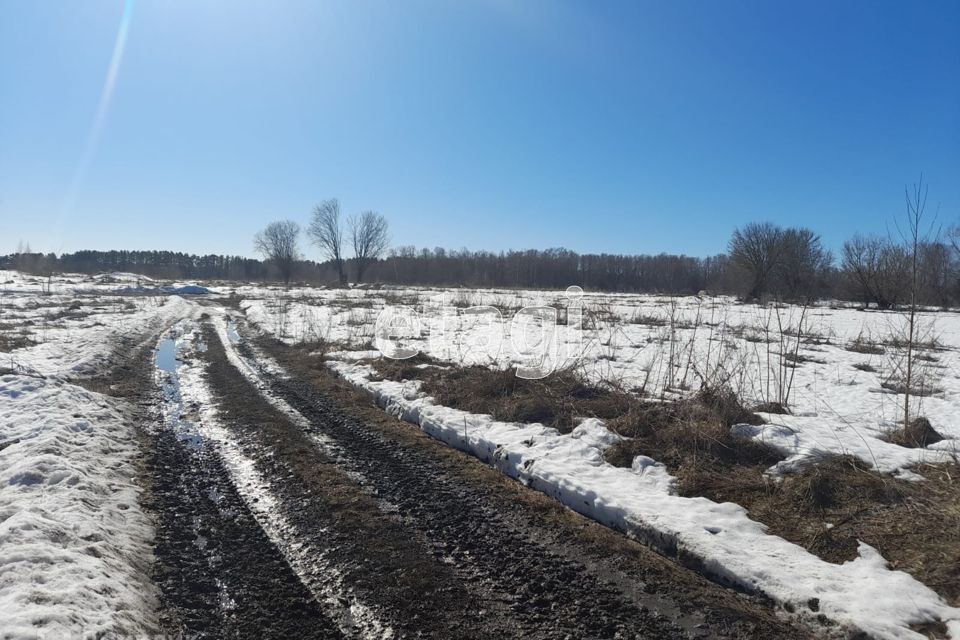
{"x":596,"y":125}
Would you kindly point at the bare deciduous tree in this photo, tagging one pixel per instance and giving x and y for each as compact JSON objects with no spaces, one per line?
{"x":278,"y":244}
{"x":24,"y":259}
{"x":938,"y":274}
{"x":876,"y":269}
{"x":370,"y":238}
{"x":754,"y":248}
{"x":915,"y":234}
{"x":801,"y":263}
{"x":326,"y":233}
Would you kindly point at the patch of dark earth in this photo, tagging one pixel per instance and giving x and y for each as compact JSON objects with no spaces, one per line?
{"x":218,"y":573}
{"x":447,"y":546}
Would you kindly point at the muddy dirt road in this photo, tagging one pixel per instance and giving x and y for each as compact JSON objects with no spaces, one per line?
{"x":291,"y":507}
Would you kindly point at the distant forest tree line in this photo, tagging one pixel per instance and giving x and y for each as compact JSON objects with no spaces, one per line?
{"x":871,"y":270}
{"x":763,"y":261}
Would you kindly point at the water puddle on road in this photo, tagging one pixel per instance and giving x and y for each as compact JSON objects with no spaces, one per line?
{"x":232,"y":332}
{"x":167,"y":362}
{"x":166,"y":358}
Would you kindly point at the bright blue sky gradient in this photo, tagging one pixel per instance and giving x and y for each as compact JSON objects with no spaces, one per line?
{"x":599,"y":126}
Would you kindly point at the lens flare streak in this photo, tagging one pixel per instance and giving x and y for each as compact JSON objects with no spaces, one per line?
{"x":103,"y":106}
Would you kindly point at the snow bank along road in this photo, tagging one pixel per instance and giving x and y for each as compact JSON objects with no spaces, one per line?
{"x":167,"y":469}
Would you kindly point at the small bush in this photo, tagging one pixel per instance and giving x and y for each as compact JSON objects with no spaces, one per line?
{"x":837,"y":480}
{"x":859,"y":345}
{"x":918,"y":434}
{"x":918,"y":389}
{"x":692,"y":437}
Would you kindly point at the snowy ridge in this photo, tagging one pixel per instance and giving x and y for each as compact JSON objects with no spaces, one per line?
{"x":729,"y":546}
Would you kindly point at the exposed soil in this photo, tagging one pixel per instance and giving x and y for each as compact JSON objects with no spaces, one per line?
{"x":219,"y":575}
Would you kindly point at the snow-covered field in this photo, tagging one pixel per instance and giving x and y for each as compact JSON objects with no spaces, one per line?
{"x":74,"y":543}
{"x":70,"y":324}
{"x":666,"y":347}
{"x":75,"y":547}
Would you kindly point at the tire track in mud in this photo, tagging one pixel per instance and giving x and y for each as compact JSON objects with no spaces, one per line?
{"x":219,"y":574}
{"x":392,"y":571}
{"x":407,"y":527}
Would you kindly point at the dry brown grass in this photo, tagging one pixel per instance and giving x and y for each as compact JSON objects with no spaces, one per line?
{"x":400,"y":370}
{"x":557,"y":401}
{"x":919,"y":433}
{"x":930,"y":344}
{"x":864,"y":345}
{"x":772,"y":407}
{"x":913,"y":524}
{"x":692,"y":437}
{"x":918,"y":389}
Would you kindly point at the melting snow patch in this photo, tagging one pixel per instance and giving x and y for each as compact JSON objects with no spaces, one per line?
{"x":188,"y":289}
{"x":807,"y":439}
{"x":74,"y":545}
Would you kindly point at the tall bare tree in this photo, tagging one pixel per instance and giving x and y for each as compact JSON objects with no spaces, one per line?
{"x":370,"y":238}
{"x":754,"y":248}
{"x":278,"y":244}
{"x":326,"y":233}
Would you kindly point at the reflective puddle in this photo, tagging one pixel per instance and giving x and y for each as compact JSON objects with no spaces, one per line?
{"x":167,"y":363}
{"x":232,"y":332}
{"x":167,"y":355}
